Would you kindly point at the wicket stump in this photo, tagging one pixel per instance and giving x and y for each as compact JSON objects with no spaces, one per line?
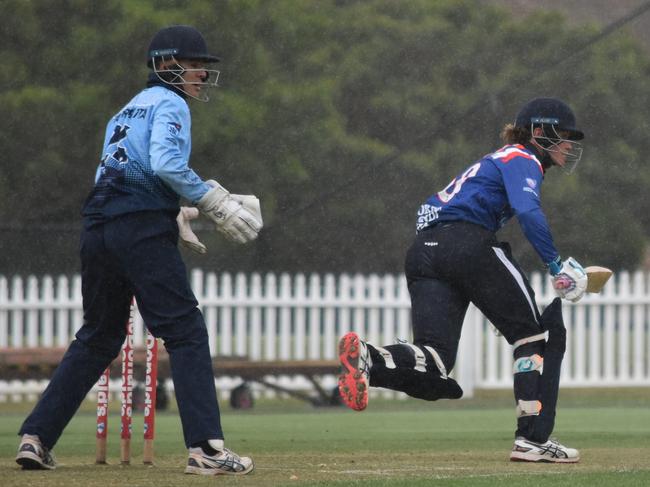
{"x":126,"y":400}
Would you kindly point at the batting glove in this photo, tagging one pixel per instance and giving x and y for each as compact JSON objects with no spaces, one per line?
{"x":187,"y":237}
{"x":570,"y":282}
{"x":238,"y":217}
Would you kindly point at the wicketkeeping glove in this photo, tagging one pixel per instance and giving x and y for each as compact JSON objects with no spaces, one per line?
{"x":251,"y":203}
{"x":238,"y":217}
{"x":570,"y":282}
{"x":187,"y":237}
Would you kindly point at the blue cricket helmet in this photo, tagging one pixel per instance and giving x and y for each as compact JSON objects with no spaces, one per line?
{"x":549,"y":111}
{"x":180,"y":42}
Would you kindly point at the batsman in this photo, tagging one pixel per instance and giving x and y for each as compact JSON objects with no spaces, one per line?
{"x":456,"y":260}
{"x":129,"y":248}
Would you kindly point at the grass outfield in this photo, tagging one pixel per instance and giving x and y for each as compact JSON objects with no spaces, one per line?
{"x":393,"y":443}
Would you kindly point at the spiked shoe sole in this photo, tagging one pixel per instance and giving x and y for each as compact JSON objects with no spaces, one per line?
{"x":353,"y":384}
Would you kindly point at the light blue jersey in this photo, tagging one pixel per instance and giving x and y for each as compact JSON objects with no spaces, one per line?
{"x":144,"y":163}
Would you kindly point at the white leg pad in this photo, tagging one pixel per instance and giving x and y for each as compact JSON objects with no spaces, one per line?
{"x":438,"y":360}
{"x":528,"y":408}
{"x":387,"y":356}
{"x":420,"y":359}
{"x":524,"y":341}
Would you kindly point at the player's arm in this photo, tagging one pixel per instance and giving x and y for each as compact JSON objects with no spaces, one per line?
{"x":535,"y":227}
{"x":170,"y":132}
{"x":523,"y":181}
{"x":239,"y":218}
{"x":522,"y":178}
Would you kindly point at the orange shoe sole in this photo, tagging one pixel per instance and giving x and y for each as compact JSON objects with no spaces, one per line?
{"x":353,"y":385}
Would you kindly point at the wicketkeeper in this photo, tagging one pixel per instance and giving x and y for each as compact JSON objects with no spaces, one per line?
{"x":456,"y":259}
{"x":129,"y":248}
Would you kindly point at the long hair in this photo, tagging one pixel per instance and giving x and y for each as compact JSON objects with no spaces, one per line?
{"x":515,"y":135}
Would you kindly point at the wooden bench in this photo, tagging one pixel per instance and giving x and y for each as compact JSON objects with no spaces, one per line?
{"x":40,"y":362}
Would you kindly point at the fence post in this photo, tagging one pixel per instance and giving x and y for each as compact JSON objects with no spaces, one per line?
{"x":17,"y":322}
{"x":256,"y":337}
{"x":225,"y":327}
{"x":638,"y":329}
{"x":315,"y":301}
{"x":285,"y":316}
{"x":241,"y":333}
{"x":329,"y":327}
{"x":623,"y":332}
{"x":270,"y":317}
{"x":467,"y":354}
{"x":4,"y":315}
{"x":344,"y":324}
{"x":47,"y":301}
{"x":300,"y":298}
{"x":62,"y":298}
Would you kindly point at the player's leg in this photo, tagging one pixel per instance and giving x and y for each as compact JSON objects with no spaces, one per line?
{"x":421,"y":368}
{"x":438,"y":309}
{"x":106,"y":301}
{"x":504,"y":295}
{"x":549,"y":384}
{"x":535,"y":445}
{"x":170,"y":311}
{"x":155,"y":269}
{"x":416,"y":369}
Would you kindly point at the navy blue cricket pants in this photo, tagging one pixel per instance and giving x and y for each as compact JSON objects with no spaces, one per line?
{"x":133,"y":255}
{"x":455,"y":263}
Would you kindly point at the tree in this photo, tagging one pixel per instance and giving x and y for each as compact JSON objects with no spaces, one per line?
{"x":343,"y":116}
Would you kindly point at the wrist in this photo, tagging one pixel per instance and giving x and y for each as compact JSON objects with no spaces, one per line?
{"x":554,"y":266}
{"x":214,"y":197}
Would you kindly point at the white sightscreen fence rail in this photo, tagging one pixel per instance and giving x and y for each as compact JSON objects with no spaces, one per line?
{"x":300,"y":317}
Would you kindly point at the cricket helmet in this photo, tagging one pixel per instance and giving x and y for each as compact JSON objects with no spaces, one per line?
{"x":180,"y":42}
{"x":549,"y":111}
{"x":174,"y":44}
{"x":558,"y":124}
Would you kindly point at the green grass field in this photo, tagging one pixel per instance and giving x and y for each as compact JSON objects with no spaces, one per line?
{"x":393,"y":443}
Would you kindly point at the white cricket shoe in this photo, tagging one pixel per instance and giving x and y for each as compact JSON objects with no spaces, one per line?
{"x":552,"y":451}
{"x":32,"y":455}
{"x":225,"y":462}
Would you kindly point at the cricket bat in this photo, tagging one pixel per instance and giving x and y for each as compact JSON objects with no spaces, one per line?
{"x":597,"y":277}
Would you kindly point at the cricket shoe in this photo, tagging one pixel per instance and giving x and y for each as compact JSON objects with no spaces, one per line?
{"x":355,"y":371}
{"x":552,"y":451}
{"x":224,"y":462}
{"x":32,"y":455}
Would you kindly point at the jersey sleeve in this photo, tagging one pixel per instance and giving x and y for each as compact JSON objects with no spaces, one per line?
{"x":533,"y":224}
{"x":170,"y":149}
{"x":522,"y":177}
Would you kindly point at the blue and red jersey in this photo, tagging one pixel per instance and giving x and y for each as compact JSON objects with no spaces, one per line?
{"x":493,"y":190}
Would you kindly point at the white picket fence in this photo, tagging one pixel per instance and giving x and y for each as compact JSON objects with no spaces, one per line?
{"x":300,"y":317}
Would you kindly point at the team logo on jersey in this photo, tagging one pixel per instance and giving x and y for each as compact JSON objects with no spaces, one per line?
{"x":174,"y":128}
{"x":426,"y":214}
{"x":531,"y":185}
